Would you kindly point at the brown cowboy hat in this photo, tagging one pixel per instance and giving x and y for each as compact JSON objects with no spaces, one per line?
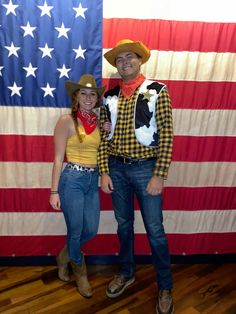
{"x":127,"y":45}
{"x":86,"y":81}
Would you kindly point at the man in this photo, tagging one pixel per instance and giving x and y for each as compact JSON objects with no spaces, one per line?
{"x":134,"y":159}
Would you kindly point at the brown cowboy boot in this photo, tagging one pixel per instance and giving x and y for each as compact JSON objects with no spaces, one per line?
{"x":63,"y":260}
{"x":80,"y":273}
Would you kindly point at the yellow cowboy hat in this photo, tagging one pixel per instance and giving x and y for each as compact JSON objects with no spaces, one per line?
{"x":127,"y":45}
{"x":86,"y":81}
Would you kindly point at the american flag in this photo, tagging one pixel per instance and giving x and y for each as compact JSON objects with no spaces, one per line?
{"x":193,"y":50}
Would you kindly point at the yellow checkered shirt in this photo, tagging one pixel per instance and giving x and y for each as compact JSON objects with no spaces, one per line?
{"x":124,"y":141}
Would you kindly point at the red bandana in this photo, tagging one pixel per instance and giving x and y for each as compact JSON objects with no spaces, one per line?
{"x":89,"y":120}
{"x":128,"y":88}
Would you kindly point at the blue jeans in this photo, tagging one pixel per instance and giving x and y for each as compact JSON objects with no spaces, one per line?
{"x":80,"y":204}
{"x":130,"y":179}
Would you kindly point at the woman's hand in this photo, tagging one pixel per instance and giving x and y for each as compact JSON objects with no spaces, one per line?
{"x":55,"y":201}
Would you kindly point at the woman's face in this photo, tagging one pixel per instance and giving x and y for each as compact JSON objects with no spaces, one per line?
{"x":87,"y":99}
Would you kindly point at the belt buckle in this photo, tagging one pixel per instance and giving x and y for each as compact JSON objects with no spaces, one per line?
{"x":127,"y":160}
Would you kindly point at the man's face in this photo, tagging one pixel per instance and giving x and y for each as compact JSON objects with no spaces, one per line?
{"x":128,"y":65}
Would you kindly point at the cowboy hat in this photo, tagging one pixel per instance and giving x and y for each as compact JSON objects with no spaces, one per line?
{"x":127,"y":45}
{"x":86,"y":81}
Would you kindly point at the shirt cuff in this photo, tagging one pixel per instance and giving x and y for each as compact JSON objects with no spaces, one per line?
{"x":103,"y":170}
{"x":160,"y":172}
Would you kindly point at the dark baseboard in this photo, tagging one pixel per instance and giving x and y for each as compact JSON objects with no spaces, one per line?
{"x":111,"y":259}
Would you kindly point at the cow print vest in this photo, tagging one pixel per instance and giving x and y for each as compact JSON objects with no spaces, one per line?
{"x":145,"y":126}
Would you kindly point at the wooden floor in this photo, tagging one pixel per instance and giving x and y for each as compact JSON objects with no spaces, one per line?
{"x":198,"y":288}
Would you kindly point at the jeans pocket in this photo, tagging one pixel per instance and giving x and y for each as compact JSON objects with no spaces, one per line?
{"x":147,"y":165}
{"x":112,"y":162}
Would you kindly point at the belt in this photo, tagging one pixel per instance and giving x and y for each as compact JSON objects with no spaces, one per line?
{"x":73,"y":166}
{"x":129,"y":160}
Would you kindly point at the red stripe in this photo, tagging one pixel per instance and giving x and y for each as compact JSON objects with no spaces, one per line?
{"x":196,"y":95}
{"x":30,"y":245}
{"x":202,"y":95}
{"x":26,"y":148}
{"x":199,"y":198}
{"x":179,"y":244}
{"x":40,"y":148}
{"x":207,"y":148}
{"x":25,"y":200}
{"x":202,"y":243}
{"x":171,"y":35}
{"x":174,"y":198}
{"x":189,"y":199}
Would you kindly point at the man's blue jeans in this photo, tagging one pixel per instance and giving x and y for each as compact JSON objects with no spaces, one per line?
{"x":80,"y":204}
{"x":130,"y":179}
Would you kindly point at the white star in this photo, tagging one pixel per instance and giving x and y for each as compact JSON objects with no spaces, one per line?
{"x":28,"y":30}
{"x":63,"y":71}
{"x":48,"y":90}
{"x":62,"y":31}
{"x":12,"y":50}
{"x":1,"y":67}
{"x":30,"y":70}
{"x":45,"y":9}
{"x":46,"y":51}
{"x":10,"y":7}
{"x":80,"y":11}
{"x":15,"y":89}
{"x":79,"y":52}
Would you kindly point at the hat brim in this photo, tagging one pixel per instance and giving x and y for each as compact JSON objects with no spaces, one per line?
{"x":136,"y":47}
{"x":72,"y":87}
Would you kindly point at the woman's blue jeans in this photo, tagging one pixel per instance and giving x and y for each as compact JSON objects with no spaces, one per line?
{"x":80,"y":204}
{"x":130,"y":179}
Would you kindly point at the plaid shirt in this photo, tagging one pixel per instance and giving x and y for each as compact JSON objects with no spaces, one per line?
{"x":124,"y":141}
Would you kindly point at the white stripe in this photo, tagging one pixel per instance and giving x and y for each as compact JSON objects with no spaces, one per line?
{"x":184,"y":66}
{"x":25,"y":175}
{"x":29,"y":120}
{"x":204,"y":122}
{"x":182,"y":10}
{"x":41,"y":121}
{"x":178,"y":222}
{"x":192,"y":174}
{"x":200,"y":174}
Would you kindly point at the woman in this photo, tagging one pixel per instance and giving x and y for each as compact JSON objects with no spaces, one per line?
{"x":75,"y":189}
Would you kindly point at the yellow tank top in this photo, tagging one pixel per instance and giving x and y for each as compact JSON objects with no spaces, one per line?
{"x":85,"y":152}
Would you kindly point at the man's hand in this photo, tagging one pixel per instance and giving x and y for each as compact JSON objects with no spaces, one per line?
{"x":107,"y":126}
{"x":155,"y":185}
{"x":106,"y":183}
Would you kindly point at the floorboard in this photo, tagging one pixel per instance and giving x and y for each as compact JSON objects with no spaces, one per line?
{"x":198,"y":288}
